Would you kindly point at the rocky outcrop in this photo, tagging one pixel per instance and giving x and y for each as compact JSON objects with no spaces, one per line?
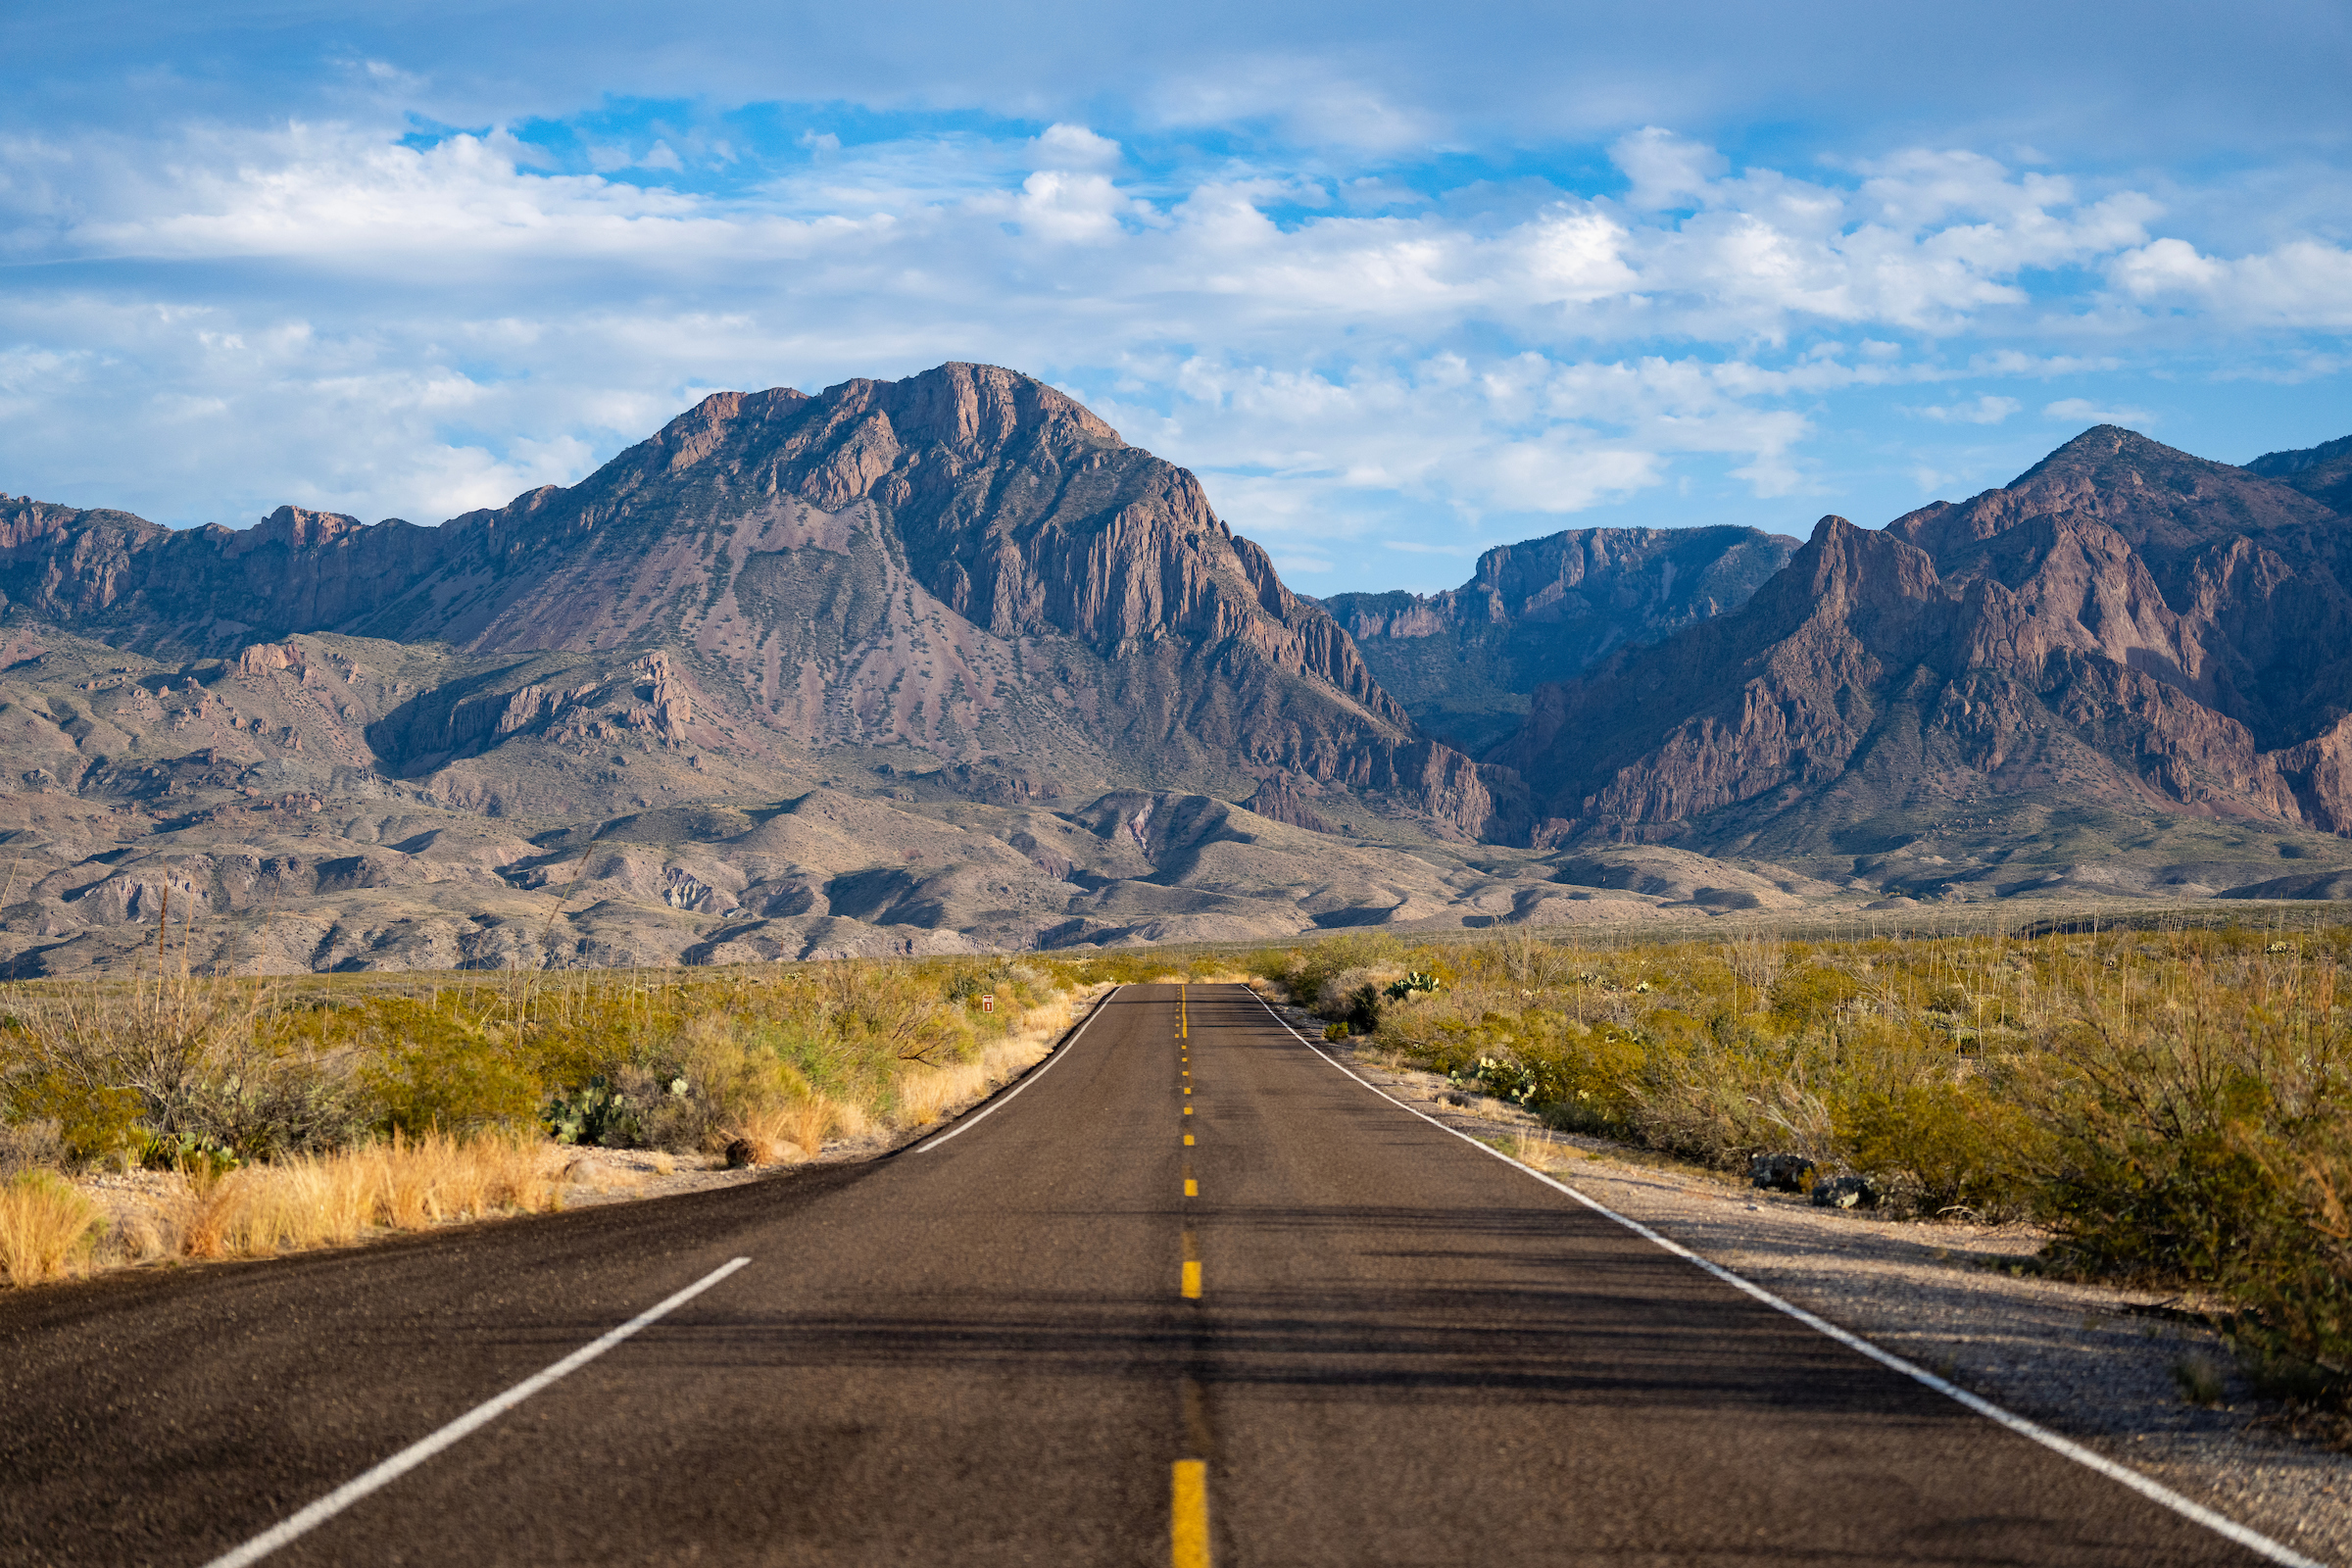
{"x":2125,"y":624}
{"x":1279,"y":803}
{"x":1464,"y":662}
{"x":2323,"y":473}
{"x":967,"y":562}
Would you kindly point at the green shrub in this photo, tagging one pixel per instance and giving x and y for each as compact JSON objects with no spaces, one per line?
{"x":1939,"y":1146}
{"x":92,"y":1120}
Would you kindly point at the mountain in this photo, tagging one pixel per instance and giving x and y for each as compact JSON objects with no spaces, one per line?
{"x":2323,"y":473}
{"x":2127,"y":647}
{"x":796,"y":675}
{"x":944,"y":664}
{"x":965,"y":562}
{"x":1463,"y":662}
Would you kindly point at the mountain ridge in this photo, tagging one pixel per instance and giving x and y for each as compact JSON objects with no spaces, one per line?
{"x":2123,"y":628}
{"x":943,"y":663}
{"x":1463,"y":661}
{"x":883,"y":563}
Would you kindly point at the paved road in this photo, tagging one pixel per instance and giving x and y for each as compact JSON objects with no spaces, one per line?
{"x":1402,"y":1350}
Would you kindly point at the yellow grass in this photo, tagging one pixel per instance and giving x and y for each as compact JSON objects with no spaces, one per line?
{"x":793,"y":1131}
{"x":926,"y":1095}
{"x":46,"y":1228}
{"x":1540,"y":1149}
{"x":334,"y":1200}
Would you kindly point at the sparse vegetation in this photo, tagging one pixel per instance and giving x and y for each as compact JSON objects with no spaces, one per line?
{"x":45,"y":1227}
{"x":2175,"y":1105}
{"x":292,"y":1115}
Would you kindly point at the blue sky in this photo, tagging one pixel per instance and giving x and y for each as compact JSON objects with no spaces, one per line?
{"x":1398,"y":281}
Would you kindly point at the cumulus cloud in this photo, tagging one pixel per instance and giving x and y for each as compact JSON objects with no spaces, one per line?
{"x":318,"y":312}
{"x":2303,"y":283}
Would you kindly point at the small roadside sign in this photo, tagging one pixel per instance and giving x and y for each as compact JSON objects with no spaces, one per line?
{"x":988,"y":1003}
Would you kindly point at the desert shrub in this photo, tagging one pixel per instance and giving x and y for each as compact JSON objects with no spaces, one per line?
{"x":1814,"y":992}
{"x":2176,"y":1103}
{"x":2297,"y":1274}
{"x":1936,"y":1144}
{"x":1354,"y":997}
{"x":433,"y":1066}
{"x":89,"y":1120}
{"x":46,"y":1227}
{"x":30,"y":1146}
{"x":2178,"y":1125}
{"x":117,"y":1065}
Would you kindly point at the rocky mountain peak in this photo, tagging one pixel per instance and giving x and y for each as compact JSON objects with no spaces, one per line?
{"x":1463,"y":661}
{"x":966,"y":562}
{"x":2164,"y":505}
{"x":2136,"y":623}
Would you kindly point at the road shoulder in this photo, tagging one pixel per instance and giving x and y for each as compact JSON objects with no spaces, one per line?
{"x":2095,"y":1363}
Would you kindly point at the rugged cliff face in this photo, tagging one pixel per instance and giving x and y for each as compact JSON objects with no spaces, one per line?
{"x":2125,"y":627}
{"x":943,"y":663}
{"x":1463,"y":661}
{"x":2323,"y":473}
{"x":966,"y":564}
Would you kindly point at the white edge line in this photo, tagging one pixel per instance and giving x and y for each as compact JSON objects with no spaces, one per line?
{"x":970,"y":1123}
{"x":2155,"y":1492}
{"x":481,"y":1415}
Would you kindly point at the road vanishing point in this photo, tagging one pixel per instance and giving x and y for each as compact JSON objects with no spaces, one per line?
{"x":1189,"y":1292}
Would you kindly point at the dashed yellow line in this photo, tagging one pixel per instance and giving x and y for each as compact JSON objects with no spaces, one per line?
{"x":1188,"y":1515}
{"x":1188,"y":1139}
{"x":1192,"y":1187}
{"x":1192,"y":1280}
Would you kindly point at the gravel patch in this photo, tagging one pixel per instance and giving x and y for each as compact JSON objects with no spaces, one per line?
{"x":2095,"y":1363}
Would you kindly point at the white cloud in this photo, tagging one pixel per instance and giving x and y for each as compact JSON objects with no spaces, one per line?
{"x":2302,"y":283}
{"x":1986,"y":409}
{"x":2082,"y":410}
{"x":1063,"y":146}
{"x":1666,"y":170}
{"x":324,"y":316}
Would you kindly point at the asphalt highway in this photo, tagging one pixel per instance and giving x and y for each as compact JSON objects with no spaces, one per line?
{"x":1192,"y":1295}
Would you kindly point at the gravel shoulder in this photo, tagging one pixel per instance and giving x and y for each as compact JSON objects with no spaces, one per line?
{"x":2092,"y":1362}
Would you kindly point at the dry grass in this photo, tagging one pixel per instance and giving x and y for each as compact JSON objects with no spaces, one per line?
{"x":787,"y":1063}
{"x":926,"y":1095}
{"x":334,"y":1200}
{"x":1539,"y":1149}
{"x":46,"y":1228}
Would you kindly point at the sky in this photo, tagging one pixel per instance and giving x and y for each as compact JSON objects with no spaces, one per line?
{"x":1400,"y":282}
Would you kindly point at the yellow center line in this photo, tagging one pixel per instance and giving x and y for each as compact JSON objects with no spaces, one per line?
{"x":1192,"y":1280}
{"x":1192,"y":1187}
{"x":1188,"y":1139}
{"x":1188,"y":1111}
{"x":1188,"y":1520}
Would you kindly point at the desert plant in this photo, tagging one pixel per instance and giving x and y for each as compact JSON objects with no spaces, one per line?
{"x":596,"y":1112}
{"x":1757,"y":960}
{"x":30,"y":1146}
{"x":45,"y":1227}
